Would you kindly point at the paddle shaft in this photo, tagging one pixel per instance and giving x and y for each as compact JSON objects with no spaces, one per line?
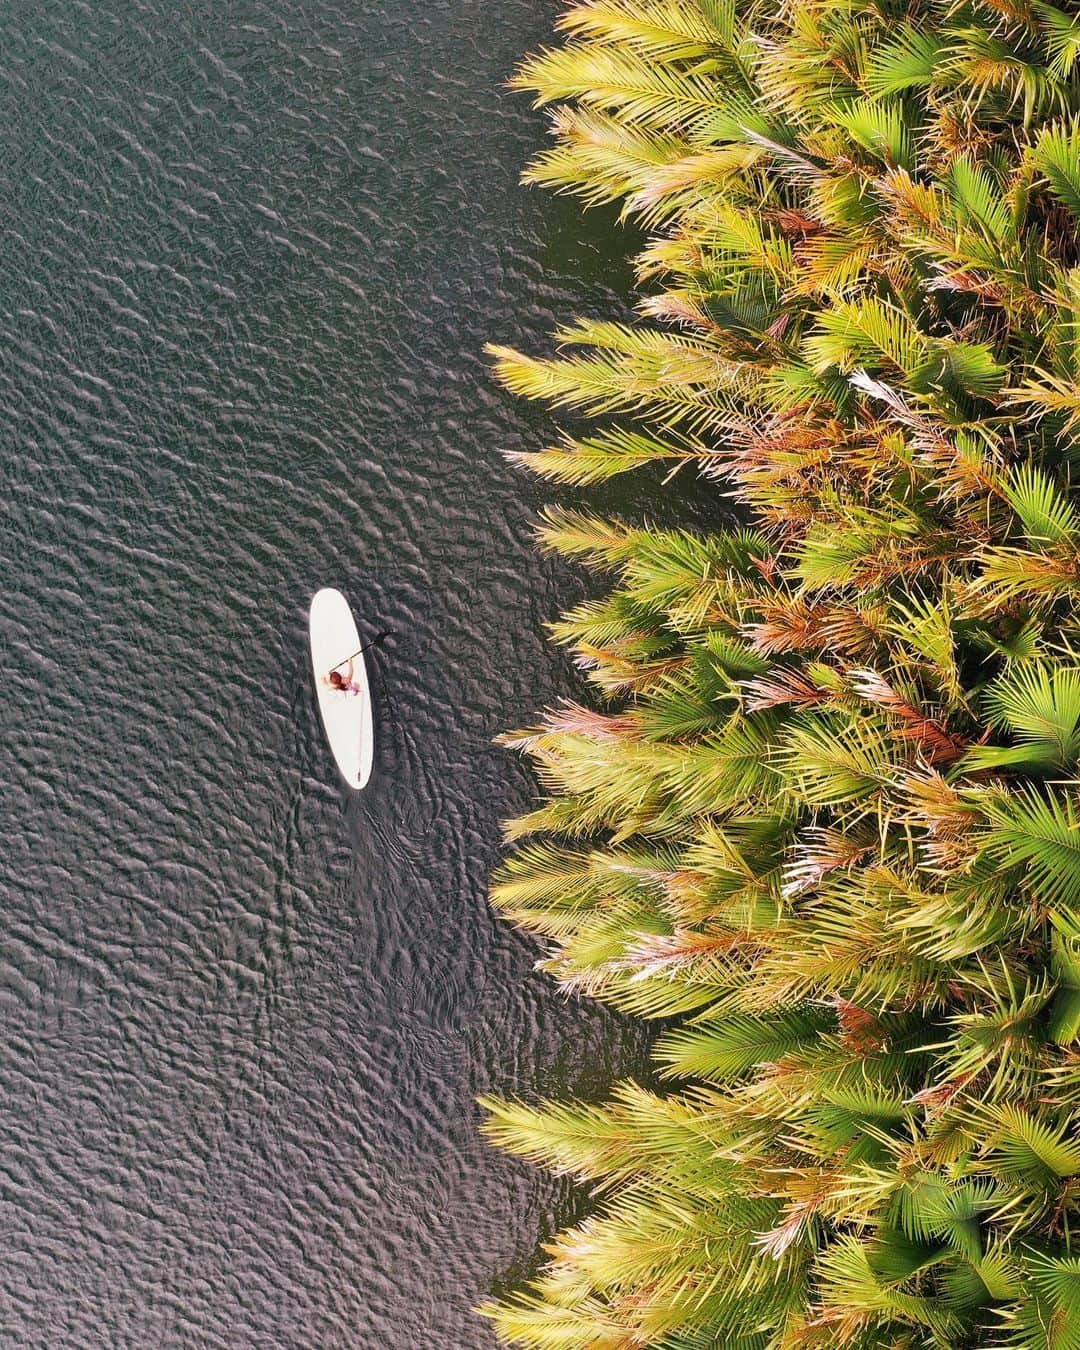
{"x":376,"y":641}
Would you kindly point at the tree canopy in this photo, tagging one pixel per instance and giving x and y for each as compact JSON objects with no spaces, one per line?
{"x":826,"y":812}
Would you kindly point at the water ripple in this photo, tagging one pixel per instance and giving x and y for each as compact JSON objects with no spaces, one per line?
{"x":251,"y":254}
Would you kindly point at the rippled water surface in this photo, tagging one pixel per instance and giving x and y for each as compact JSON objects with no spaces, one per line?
{"x":249,"y":253}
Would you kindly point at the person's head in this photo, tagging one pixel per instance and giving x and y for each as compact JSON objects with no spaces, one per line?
{"x":337,"y":679}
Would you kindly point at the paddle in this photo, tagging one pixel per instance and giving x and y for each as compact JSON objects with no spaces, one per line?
{"x":376,"y":641}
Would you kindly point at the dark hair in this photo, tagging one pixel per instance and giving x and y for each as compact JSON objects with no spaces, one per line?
{"x":336,"y":678}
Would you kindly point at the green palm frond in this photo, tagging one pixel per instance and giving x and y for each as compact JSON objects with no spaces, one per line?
{"x":1039,"y":705}
{"x":1040,"y":832}
{"x":1061,"y":36}
{"x":878,"y":128}
{"x":849,"y":1282}
{"x":1056,"y":154}
{"x":671,"y":29}
{"x":827,"y":761}
{"x":738,"y":1044}
{"x":907,"y":61}
{"x":865,"y":334}
{"x":1047,"y":515}
{"x":1025,"y":1145}
{"x":594,"y":459}
{"x":648,"y":94}
{"x":977,"y":200}
{"x":690,"y":386}
{"x":601,"y":160}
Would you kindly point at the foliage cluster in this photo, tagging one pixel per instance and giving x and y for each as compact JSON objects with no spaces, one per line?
{"x":828,"y":815}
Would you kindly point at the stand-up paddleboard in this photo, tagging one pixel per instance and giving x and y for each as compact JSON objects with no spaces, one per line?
{"x":346,"y":717}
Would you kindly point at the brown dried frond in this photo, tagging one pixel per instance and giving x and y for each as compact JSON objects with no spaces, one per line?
{"x":1059,"y":229}
{"x":957,"y":471}
{"x":797,"y":1214}
{"x":938,"y":1095}
{"x":928,"y":802}
{"x":914,"y":206}
{"x":860,"y":1030}
{"x":782,"y":686}
{"x":616,"y":673}
{"x":1012,"y":575}
{"x":1016,"y":11}
{"x":577,"y":720}
{"x":807,"y":456}
{"x":817,"y":852}
{"x":686,"y":893}
{"x":788,"y":625}
{"x":899,"y":559}
{"x":795,"y":624}
{"x":967,"y":282}
{"x":671,"y":954}
{"x":767,"y":566}
{"x":794,"y":222}
{"x":781,"y":452}
{"x":854,"y":631}
{"x":938,"y":744}
{"x":953,"y":131}
{"x":680,"y":307}
{"x":682,"y":886}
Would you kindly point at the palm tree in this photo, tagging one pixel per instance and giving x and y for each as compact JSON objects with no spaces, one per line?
{"x":827,"y":815}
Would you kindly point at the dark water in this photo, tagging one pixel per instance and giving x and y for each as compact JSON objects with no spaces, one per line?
{"x":249,"y":253}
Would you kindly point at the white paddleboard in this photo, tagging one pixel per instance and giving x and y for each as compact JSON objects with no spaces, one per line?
{"x":346,"y":717}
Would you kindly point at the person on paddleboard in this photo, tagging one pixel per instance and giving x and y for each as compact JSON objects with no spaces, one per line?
{"x":344,"y":684}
